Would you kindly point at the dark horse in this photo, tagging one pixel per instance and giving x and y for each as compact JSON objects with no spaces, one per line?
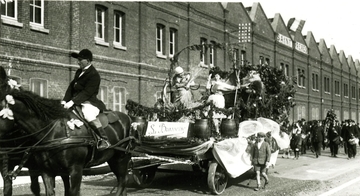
{"x":59,"y":149}
{"x":11,"y":155}
{"x":14,"y":148}
{"x":14,"y":152}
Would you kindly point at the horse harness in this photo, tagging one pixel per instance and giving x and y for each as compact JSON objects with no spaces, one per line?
{"x":106,"y":118}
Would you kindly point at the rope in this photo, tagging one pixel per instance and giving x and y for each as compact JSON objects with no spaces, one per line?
{"x":167,"y":159}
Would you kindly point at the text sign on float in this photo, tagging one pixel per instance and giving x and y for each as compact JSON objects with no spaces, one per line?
{"x":168,"y":129}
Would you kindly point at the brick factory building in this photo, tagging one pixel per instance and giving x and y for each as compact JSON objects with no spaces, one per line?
{"x":133,"y":42}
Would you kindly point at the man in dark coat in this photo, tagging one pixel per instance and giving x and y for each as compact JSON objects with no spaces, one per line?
{"x":344,"y":132}
{"x":260,"y":158}
{"x":334,"y":138}
{"x":305,"y":134}
{"x":351,"y":134}
{"x":83,"y":90}
{"x":317,"y":137}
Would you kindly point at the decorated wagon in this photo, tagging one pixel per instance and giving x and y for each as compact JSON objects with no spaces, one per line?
{"x":180,"y":130}
{"x":187,"y":143}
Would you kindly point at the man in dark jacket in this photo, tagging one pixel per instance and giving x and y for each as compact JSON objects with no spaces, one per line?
{"x":305,"y":134}
{"x":334,"y":138}
{"x":83,"y":91}
{"x":317,"y":137}
{"x":260,"y":158}
{"x":344,"y":132}
{"x":351,"y":134}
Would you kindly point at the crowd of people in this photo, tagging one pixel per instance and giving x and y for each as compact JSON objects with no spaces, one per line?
{"x":316,"y":135}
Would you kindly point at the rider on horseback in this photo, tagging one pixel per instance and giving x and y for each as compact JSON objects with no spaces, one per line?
{"x":83,"y":90}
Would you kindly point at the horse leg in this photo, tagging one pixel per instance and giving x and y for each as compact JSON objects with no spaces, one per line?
{"x":119,"y":166}
{"x":75,"y":180}
{"x":66,"y":181}
{"x":49,"y":183}
{"x":34,"y":186}
{"x":7,"y":189}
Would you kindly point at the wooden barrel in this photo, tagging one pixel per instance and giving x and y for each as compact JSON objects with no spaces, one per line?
{"x":228,"y":128}
{"x":201,"y":129}
{"x":141,"y":127}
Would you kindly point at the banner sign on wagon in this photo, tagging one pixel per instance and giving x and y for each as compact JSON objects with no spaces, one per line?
{"x":168,"y":129}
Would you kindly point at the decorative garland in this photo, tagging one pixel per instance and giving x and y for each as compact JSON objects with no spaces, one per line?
{"x":274,"y":102}
{"x":173,"y":114}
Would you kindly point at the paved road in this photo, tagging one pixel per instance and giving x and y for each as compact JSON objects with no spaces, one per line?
{"x":307,"y":176}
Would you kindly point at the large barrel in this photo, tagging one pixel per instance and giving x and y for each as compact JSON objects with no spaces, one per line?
{"x":141,"y":127}
{"x":201,"y":129}
{"x":229,"y":128}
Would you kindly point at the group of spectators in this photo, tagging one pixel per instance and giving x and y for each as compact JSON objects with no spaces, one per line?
{"x":317,"y":135}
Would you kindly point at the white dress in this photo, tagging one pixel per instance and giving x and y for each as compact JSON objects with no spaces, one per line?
{"x":218,"y":98}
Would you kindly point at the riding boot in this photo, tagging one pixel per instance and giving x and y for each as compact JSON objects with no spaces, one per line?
{"x":99,"y":130}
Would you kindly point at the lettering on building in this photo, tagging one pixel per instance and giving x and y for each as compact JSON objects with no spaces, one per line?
{"x":301,"y":47}
{"x":284,"y":40}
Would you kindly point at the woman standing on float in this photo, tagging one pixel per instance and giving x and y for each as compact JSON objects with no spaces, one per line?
{"x":217,"y":86}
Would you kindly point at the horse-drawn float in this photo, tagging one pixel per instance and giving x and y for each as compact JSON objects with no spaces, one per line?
{"x":211,"y":133}
{"x":177,"y":143}
{"x":220,"y":157}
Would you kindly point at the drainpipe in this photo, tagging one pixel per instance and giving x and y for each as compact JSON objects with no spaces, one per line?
{"x":140,"y":52}
{"x":308,"y":93}
{"x":322,"y":89}
{"x":189,"y":33}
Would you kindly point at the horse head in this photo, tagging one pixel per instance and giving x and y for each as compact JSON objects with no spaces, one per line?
{"x":24,"y":108}
{"x":6,"y":116}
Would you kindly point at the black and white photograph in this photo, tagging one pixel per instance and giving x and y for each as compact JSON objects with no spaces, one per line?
{"x":181,"y":98}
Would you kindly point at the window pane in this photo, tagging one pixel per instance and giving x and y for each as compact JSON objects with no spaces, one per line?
{"x":158,"y":32}
{"x":117,"y":20}
{"x":2,"y":10}
{"x":99,"y":31}
{"x":159,"y":39}
{"x":117,"y":35}
{"x":39,"y":86}
{"x":99,"y":16}
{"x":38,"y":2}
{"x":158,"y":45}
{"x":31,"y":14}
{"x":172,"y":41}
{"x":38,"y":15}
{"x":8,"y":9}
{"x":118,"y":28}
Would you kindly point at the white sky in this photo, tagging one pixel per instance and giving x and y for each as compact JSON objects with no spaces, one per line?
{"x":335,"y":21}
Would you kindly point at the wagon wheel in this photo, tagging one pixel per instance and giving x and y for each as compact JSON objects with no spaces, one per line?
{"x":144,"y":177}
{"x":217,"y":178}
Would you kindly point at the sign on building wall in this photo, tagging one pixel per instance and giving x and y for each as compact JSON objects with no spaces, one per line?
{"x":284,"y":40}
{"x":244,"y":32}
{"x":301,"y":47}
